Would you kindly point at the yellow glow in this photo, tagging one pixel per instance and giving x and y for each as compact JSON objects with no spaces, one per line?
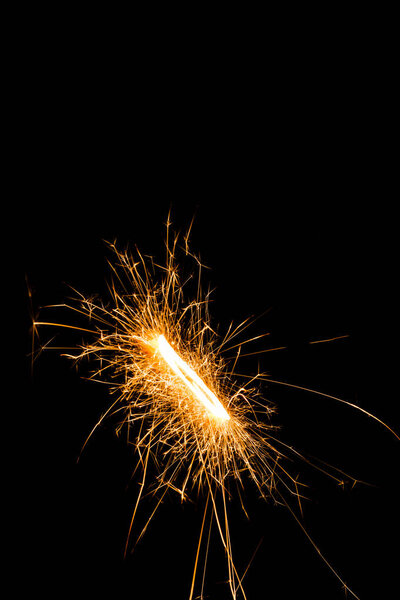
{"x":191,"y":379}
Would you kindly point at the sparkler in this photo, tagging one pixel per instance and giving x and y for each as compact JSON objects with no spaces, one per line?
{"x":185,"y":408}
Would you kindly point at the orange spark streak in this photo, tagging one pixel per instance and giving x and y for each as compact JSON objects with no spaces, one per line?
{"x":339,"y":337}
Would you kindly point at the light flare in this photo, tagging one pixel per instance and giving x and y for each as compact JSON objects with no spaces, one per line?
{"x":193,"y":382}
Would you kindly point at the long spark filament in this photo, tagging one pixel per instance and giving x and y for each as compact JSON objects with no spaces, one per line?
{"x":195,"y":384}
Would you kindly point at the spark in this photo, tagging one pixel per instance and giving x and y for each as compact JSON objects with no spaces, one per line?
{"x":338,"y":337}
{"x":204,"y":427}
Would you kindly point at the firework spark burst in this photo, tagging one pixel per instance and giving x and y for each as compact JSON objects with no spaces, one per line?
{"x":204,"y":428}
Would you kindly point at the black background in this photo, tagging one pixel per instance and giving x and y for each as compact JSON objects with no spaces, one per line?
{"x":285,"y":195}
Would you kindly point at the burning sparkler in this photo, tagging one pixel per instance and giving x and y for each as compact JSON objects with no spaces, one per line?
{"x":185,"y":408}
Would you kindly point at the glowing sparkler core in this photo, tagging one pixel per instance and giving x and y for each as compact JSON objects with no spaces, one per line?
{"x":195,"y":384}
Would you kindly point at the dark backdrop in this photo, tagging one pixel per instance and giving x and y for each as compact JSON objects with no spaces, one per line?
{"x":288,"y":217}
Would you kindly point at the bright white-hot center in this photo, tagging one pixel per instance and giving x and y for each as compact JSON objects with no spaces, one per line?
{"x":194,"y":383}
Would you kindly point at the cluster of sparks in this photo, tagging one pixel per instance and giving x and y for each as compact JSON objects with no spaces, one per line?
{"x":187,"y":412}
